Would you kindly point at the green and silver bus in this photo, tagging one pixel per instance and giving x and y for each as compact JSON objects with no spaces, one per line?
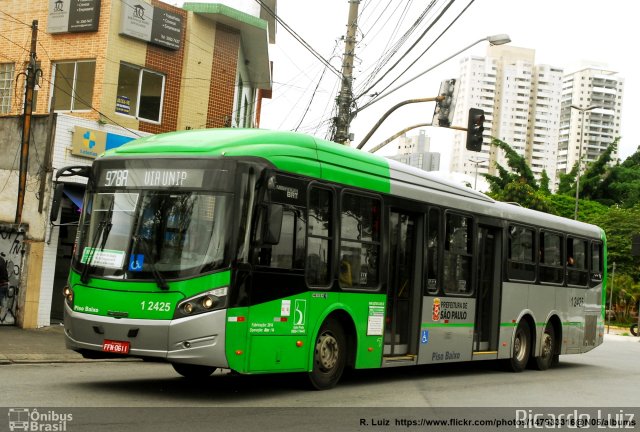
{"x":262,"y":252}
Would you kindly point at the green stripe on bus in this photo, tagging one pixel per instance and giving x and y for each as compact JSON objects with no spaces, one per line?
{"x":427,"y":325}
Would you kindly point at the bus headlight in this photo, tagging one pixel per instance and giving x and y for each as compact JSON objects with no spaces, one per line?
{"x":67,"y":292}
{"x":204,"y":302}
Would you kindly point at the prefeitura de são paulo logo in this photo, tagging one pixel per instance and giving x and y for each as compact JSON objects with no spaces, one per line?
{"x":25,"y":419}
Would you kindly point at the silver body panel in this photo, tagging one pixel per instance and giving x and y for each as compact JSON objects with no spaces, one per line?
{"x":196,"y":340}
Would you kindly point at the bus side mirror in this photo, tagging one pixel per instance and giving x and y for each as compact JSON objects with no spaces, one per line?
{"x":273,"y":224}
{"x":55,"y":205}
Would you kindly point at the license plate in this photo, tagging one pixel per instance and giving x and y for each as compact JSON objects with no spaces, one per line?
{"x":117,"y":347}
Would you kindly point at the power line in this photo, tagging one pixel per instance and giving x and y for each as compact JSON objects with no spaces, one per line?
{"x":424,"y":33}
{"x":381,"y":94}
{"x":297,"y":37}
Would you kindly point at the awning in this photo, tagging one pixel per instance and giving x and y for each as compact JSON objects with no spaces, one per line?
{"x":75,"y":194}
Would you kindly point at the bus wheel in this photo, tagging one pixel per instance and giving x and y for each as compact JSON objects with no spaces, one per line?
{"x":521,"y":348}
{"x":546,"y":358}
{"x":193,"y":371}
{"x":329,"y":356}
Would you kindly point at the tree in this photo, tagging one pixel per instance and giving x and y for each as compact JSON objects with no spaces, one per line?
{"x":518,"y":185}
{"x":544,"y":183}
{"x":591,"y":181}
{"x":619,"y":225}
{"x":622,"y":183}
{"x":567,"y":181}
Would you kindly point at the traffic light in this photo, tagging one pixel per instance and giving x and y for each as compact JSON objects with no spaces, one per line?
{"x":443,"y":112}
{"x":475,"y":128}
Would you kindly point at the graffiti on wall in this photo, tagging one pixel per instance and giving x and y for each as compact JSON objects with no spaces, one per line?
{"x":12,"y":250}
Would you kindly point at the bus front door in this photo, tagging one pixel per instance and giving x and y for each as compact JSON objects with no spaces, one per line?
{"x":485,"y":340}
{"x":403,"y":300}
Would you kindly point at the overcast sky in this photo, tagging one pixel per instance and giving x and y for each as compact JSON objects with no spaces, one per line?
{"x":563,"y":33}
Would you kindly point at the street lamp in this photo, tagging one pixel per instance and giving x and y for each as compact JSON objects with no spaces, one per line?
{"x":582,"y":110}
{"x":499,"y":39}
{"x":476,"y":162}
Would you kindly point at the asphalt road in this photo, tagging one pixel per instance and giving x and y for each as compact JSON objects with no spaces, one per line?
{"x":605,"y":377}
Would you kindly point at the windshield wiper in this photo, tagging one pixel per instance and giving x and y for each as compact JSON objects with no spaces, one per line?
{"x":162,"y":284}
{"x":103,"y":229}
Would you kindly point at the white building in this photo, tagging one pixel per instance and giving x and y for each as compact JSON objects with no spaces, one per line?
{"x":602,"y":91}
{"x":521,"y":101}
{"x":414,"y":151}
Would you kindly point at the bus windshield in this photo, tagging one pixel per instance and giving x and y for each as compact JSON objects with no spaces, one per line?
{"x":147,"y":234}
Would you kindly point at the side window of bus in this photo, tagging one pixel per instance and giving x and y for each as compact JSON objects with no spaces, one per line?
{"x":577,"y":270}
{"x":319,"y":237}
{"x":457,"y":254}
{"x":359,"y":241}
{"x":596,"y":263}
{"x":433,"y":242}
{"x":551,"y":251}
{"x":521,"y":258}
{"x":290,"y":250}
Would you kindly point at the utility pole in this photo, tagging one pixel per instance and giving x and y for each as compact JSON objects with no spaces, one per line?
{"x":345,"y":97}
{"x":26,"y":122}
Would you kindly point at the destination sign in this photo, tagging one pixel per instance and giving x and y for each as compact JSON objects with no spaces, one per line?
{"x":152,"y":177}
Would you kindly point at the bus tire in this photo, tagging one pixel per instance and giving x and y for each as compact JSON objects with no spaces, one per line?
{"x":329,"y":356}
{"x":634,"y":329}
{"x":191,"y":371}
{"x":546,"y":358}
{"x":521,"y":347}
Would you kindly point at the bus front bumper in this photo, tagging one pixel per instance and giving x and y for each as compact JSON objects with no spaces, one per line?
{"x":196,"y":340}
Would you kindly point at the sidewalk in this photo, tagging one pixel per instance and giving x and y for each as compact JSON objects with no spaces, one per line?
{"x":46,"y":345}
{"x":43,"y":345}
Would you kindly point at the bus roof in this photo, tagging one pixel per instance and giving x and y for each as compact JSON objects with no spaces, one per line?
{"x":318,"y":158}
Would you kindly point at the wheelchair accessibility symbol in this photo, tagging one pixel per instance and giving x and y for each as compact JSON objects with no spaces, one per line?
{"x":424,"y":337}
{"x":136,"y":262}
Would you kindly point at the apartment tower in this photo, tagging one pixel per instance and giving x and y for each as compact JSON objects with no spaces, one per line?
{"x":521,"y":101}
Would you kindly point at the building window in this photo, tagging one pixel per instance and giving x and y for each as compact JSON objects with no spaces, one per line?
{"x":6,"y":80}
{"x":140,"y":93}
{"x":73,"y":85}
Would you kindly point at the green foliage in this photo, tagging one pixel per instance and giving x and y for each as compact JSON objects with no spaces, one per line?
{"x":517,"y":163}
{"x":567,"y":182}
{"x":591,"y":180}
{"x":525,"y":195}
{"x":518,"y":185}
{"x":622,"y":183}
{"x":626,"y":294}
{"x":564,"y":205}
{"x":544,"y":183}
{"x":619,"y":225}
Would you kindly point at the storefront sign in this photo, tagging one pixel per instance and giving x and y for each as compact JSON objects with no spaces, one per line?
{"x":91,"y":143}
{"x":73,"y":16}
{"x":151,"y":24}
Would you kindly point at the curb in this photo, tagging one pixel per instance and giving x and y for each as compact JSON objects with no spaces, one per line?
{"x":56,"y":358}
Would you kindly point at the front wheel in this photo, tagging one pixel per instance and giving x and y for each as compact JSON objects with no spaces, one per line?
{"x":634,"y":329}
{"x":329,"y":356}
{"x":193,"y":371}
{"x":521,"y":347}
